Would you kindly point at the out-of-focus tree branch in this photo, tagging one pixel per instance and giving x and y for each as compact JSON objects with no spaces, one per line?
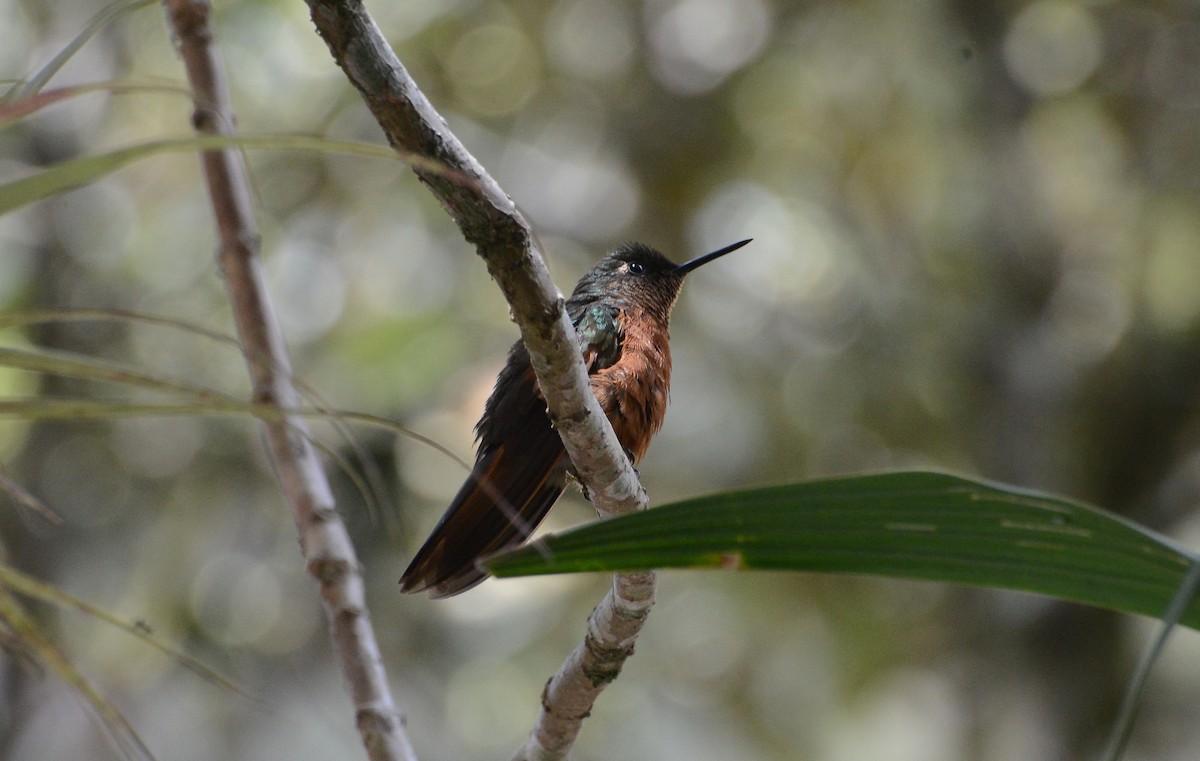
{"x":489,"y":219}
{"x":323,"y":537}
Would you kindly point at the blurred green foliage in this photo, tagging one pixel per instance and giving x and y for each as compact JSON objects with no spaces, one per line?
{"x":976,"y":246}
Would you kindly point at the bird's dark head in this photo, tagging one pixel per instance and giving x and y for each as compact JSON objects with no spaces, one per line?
{"x":638,"y":275}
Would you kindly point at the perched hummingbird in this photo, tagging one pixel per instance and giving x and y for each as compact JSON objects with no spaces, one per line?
{"x":621,"y":310}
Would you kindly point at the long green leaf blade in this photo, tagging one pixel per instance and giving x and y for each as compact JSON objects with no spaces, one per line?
{"x":32,"y":641}
{"x":38,"y":316}
{"x":45,"y":408}
{"x":22,"y":584}
{"x":85,"y":169}
{"x":72,"y":365}
{"x":911,"y":525}
{"x":98,"y":22}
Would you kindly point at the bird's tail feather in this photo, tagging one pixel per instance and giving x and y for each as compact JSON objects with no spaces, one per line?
{"x":509,"y":492}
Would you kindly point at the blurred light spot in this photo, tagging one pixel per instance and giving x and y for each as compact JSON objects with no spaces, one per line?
{"x":592,"y":39}
{"x":172,"y":353}
{"x":405,"y":20}
{"x":495,"y":70}
{"x":772,"y":104}
{"x":698,"y":43}
{"x":1021,"y":723}
{"x":258,"y":44}
{"x":424,"y":470}
{"x":1172,"y":291}
{"x":505,"y":615}
{"x":707,"y":406}
{"x":235,"y":598}
{"x":593,"y":197}
{"x":910,"y":716}
{"x":1178,"y":495}
{"x":901,"y":175}
{"x":81,"y":481}
{"x":155,"y":256}
{"x":1053,"y":47}
{"x":707,"y":642}
{"x":1172,"y":151}
{"x":95,"y":224}
{"x":286,"y":182}
{"x":791,"y":257}
{"x":15,"y":384}
{"x":798,"y":261}
{"x":157,"y":448}
{"x":806,"y":406}
{"x":848,"y":448}
{"x":1088,"y":314}
{"x":17,"y":35}
{"x":16,"y":269}
{"x":793,"y":676}
{"x":13,"y":434}
{"x":491,"y":704}
{"x":681,"y":734}
{"x":280,"y":50}
{"x":1078,"y":157}
{"x":1172,"y":64}
{"x":298,"y":617}
{"x":851,"y":89}
{"x":309,"y":288}
{"x":398,"y":266}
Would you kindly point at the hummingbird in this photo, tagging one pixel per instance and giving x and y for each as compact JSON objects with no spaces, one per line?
{"x":621,"y":310}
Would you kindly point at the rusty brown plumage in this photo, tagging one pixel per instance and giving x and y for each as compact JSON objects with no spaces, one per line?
{"x":634,"y":392}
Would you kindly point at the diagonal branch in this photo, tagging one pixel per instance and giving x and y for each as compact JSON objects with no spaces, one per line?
{"x":489,"y":219}
{"x":567,"y":700}
{"x":323,"y":538}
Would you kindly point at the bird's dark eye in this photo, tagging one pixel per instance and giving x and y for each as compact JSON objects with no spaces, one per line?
{"x":637,"y":268}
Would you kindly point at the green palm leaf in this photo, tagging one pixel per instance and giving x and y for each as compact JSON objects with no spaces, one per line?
{"x":913,"y":525}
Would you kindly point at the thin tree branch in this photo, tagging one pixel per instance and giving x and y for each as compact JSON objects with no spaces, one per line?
{"x":323,"y":538}
{"x":490,"y":220}
{"x":568,"y":697}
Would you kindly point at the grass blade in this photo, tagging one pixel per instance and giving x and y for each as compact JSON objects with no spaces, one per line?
{"x":34,"y":644}
{"x":24,"y":317}
{"x":72,"y":365}
{"x":35,"y":83}
{"x":26,"y":499}
{"x":28,"y":586}
{"x":1123,"y":725}
{"x":86,"y":169}
{"x":19,"y":108}
{"x":44,"y":408}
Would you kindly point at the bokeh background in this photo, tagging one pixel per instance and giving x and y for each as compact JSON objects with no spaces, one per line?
{"x":977,"y":248}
